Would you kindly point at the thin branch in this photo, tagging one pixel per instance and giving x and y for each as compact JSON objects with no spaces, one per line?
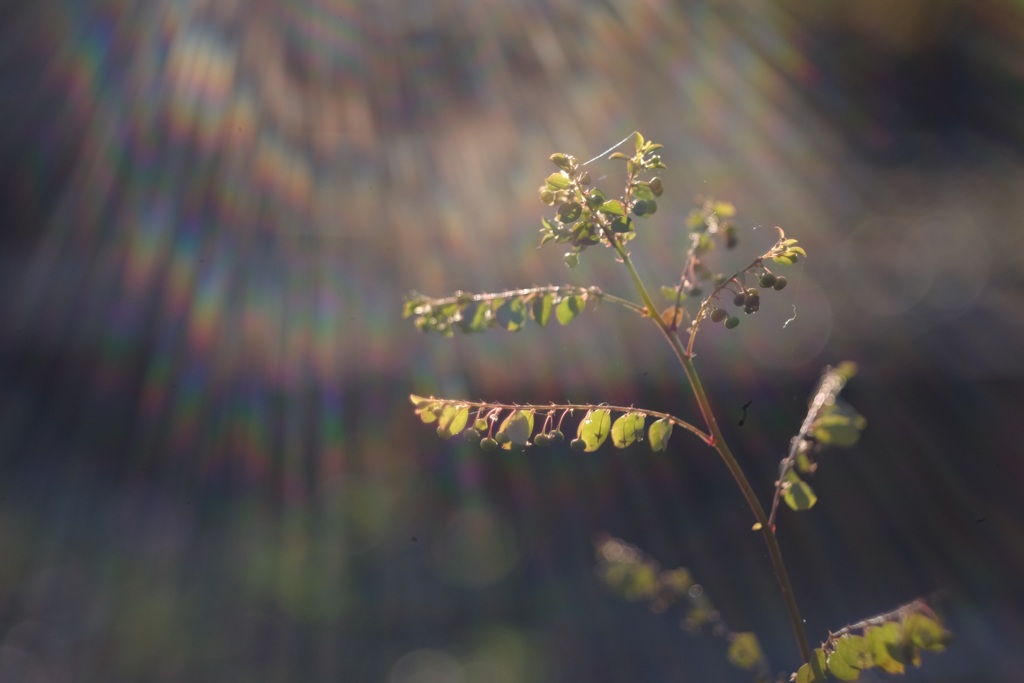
{"x":571,"y":407}
{"x":467,"y":297}
{"x":832,"y":382}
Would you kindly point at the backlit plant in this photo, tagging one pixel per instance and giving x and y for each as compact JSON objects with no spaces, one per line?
{"x":586,"y":216}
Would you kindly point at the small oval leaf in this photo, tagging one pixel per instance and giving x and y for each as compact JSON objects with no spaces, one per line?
{"x":568,"y":308}
{"x":797,"y":493}
{"x":658,"y":434}
{"x":594,"y":428}
{"x":628,"y":429}
{"x":518,"y":427}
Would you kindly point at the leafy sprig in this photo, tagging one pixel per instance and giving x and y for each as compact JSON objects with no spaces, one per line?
{"x":586,"y":216}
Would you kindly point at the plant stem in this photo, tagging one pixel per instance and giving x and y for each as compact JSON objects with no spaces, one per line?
{"x":718,"y":443}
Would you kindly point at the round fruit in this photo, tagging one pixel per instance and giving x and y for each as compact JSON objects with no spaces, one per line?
{"x":578,"y":444}
{"x":502,"y":437}
{"x":732,"y":322}
{"x":488,"y":444}
{"x":657,"y":187}
{"x":640,"y":207}
{"x":556,"y":436}
{"x":540,"y":440}
{"x":740,"y":299}
{"x":547,"y":196}
{"x":718,"y":315}
{"x":767,"y":280}
{"x":780,"y":283}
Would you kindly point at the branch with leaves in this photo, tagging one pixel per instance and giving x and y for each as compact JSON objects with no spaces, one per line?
{"x":586,"y":216}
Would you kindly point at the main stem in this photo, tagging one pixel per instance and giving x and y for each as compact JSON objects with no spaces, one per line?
{"x":719,"y":444}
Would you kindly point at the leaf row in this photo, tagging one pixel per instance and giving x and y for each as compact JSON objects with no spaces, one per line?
{"x":515,"y":426}
{"x":509,"y":310}
{"x":888,"y":642}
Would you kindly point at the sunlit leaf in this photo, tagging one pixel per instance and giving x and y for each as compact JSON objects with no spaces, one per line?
{"x":745,"y":651}
{"x":837,"y":429}
{"x":925,"y":632}
{"x":452,"y":420}
{"x":854,"y":651}
{"x":594,"y":428}
{"x":511,"y":314}
{"x":838,"y":667}
{"x":569,"y":307}
{"x":427,"y":408}
{"x":725,"y":209}
{"x":785,"y":259}
{"x":658,"y":434}
{"x":558,"y":181}
{"x":886,"y":645}
{"x":540,"y":308}
{"x":814,"y":670}
{"x":518,"y":426}
{"x":627,"y":429}
{"x":797,"y":493}
{"x":614,"y":207}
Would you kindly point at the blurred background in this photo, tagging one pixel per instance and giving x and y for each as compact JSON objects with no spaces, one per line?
{"x":211,"y":211}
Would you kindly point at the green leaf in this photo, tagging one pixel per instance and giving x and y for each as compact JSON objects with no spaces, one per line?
{"x":452,"y":420}
{"x":797,"y":493}
{"x":658,"y":434}
{"x":614,"y":207}
{"x":427,"y":408}
{"x":475,"y":316}
{"x":617,"y":155}
{"x":836,"y":429}
{"x":511,"y":314}
{"x":670,"y":294}
{"x":594,"y":428}
{"x":925,"y":632}
{"x":838,"y":667}
{"x":797,"y":250}
{"x":886,"y":645}
{"x":785,"y":259}
{"x":622,"y":225}
{"x":559,"y":181}
{"x":518,"y":427}
{"x":725,"y":209}
{"x":628,"y":429}
{"x":814,"y":670}
{"x":854,"y":651}
{"x":540,"y":308}
{"x":642,"y":190}
{"x":745,"y":651}
{"x":568,"y":308}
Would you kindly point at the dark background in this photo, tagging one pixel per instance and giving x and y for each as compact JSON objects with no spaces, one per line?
{"x":209,"y":469}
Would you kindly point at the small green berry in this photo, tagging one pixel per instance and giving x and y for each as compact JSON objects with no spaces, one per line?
{"x":767,"y":280}
{"x":547,"y":196}
{"x":540,"y":440}
{"x":780,"y":283}
{"x":718,"y":315}
{"x":657,"y":187}
{"x":488,"y":444}
{"x":556,"y":436}
{"x":502,"y":437}
{"x":640,"y":207}
{"x":732,"y":322}
{"x":578,"y":444}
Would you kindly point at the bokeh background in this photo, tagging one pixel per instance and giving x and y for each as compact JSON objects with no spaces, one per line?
{"x":211,"y":210}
